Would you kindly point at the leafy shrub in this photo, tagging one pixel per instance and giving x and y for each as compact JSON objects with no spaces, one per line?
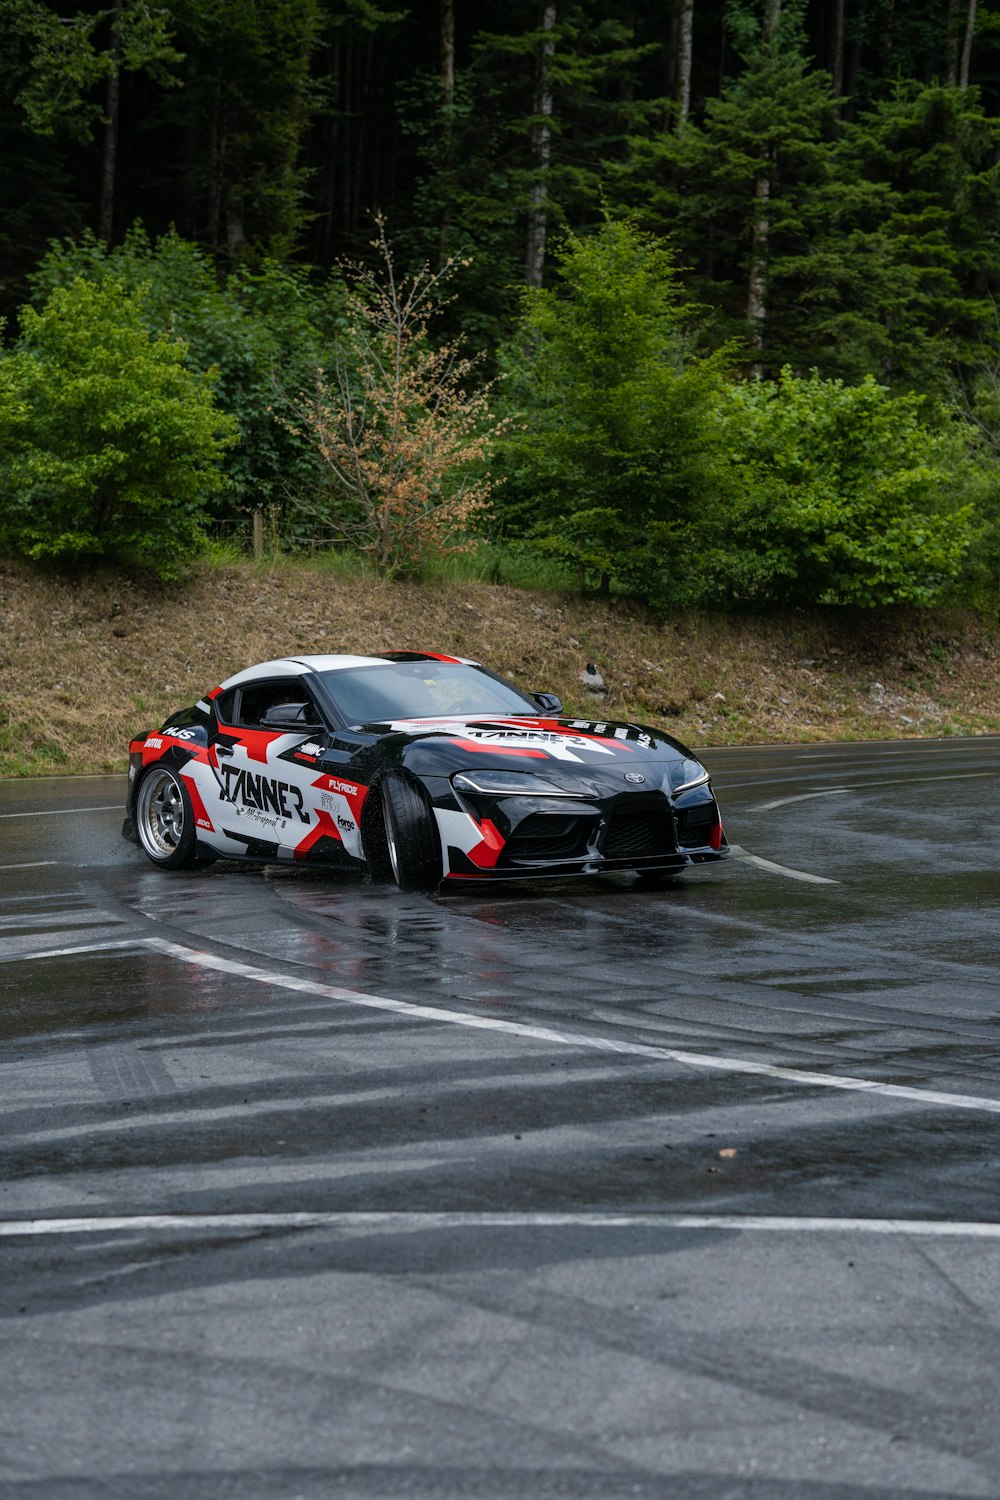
{"x":611,"y":443}
{"x":837,"y":494}
{"x":109,"y":445}
{"x":263,"y":332}
{"x":402,"y":428}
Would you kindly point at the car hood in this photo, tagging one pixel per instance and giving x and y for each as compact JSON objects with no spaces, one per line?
{"x":458,"y":741}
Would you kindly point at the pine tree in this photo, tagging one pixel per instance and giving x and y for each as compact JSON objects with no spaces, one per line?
{"x":900,"y":279}
{"x":740,"y":193}
{"x":610,"y":442}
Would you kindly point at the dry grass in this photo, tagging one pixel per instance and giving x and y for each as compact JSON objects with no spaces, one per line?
{"x":86,"y":664}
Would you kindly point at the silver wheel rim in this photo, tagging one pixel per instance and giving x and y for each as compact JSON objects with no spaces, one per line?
{"x":160,"y":818}
{"x":390,"y":838}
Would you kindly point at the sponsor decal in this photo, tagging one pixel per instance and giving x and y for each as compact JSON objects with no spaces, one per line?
{"x":560,"y":746}
{"x":175,"y":733}
{"x":346,"y":824}
{"x":260,"y":794}
{"x":201,"y":818}
{"x":624,"y":732}
{"x":331,"y":784}
{"x":522,"y":750}
{"x":153,"y":743}
{"x":553,"y":736}
{"x":451,"y":725}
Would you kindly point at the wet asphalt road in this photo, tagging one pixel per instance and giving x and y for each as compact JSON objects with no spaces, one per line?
{"x":310,"y":1189}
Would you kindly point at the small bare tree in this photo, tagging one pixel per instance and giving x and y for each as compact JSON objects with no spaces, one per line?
{"x":403,"y":432}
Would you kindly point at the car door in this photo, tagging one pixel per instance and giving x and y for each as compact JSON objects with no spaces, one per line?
{"x":270,"y":734}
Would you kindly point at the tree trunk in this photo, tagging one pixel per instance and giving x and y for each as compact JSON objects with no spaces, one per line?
{"x":361,"y":175}
{"x":970,"y":26}
{"x":216,"y":158}
{"x":447,"y":117}
{"x":346,"y":171}
{"x":757,"y":291}
{"x":192,"y":156}
{"x":723,"y":43}
{"x":951,"y":44}
{"x":541,"y":146}
{"x":837,"y":49}
{"x":853,"y":57}
{"x":760,"y":246}
{"x":448,"y":55}
{"x":670,"y":52}
{"x":685,"y":31}
{"x":109,"y":156}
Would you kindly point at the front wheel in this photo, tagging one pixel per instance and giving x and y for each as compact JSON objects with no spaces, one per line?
{"x":413,"y":846}
{"x":164,"y":819}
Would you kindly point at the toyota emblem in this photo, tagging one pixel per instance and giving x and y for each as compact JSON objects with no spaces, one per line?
{"x":635,"y":777}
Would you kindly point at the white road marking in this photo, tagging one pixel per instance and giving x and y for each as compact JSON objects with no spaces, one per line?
{"x":35,"y":864}
{"x":98,"y":947}
{"x":745,"y":1066}
{"x":769,"y":864}
{"x":779,"y":1074}
{"x":417,"y":1222}
{"x":63,"y":812}
{"x":861,"y":786}
{"x":830,"y":791}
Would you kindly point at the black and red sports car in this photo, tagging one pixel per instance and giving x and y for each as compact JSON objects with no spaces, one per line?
{"x":423,"y":768}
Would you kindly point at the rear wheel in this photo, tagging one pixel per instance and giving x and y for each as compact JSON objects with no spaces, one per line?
{"x":164,"y":819}
{"x":413,"y":847}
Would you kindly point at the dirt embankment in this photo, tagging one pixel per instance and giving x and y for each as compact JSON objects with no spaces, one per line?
{"x":87,"y":663}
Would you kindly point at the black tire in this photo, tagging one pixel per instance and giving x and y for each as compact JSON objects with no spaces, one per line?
{"x":413,"y":848}
{"x":164,"y":819}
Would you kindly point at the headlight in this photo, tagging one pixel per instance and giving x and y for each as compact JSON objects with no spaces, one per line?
{"x":509,"y":784}
{"x":689,"y":774}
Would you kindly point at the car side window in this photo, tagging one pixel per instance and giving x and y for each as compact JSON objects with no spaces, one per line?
{"x":284,"y":703}
{"x":225,"y":707}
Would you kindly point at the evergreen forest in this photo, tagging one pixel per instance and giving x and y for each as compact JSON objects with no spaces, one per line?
{"x":692,"y":301}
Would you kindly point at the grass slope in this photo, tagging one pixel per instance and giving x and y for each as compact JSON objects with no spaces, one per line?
{"x":87,"y":663}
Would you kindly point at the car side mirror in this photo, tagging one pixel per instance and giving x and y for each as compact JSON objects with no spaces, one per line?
{"x":548,"y":703}
{"x":292,"y":716}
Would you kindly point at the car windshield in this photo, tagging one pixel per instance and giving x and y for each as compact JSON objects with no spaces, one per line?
{"x":421,"y":690}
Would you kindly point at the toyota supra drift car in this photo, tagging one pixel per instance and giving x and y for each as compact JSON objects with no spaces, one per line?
{"x":423,"y":768}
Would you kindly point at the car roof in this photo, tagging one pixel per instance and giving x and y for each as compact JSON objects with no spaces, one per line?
{"x":293,"y":666}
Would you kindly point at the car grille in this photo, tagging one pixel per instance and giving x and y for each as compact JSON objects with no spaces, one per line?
{"x":638,"y":830}
{"x":543,"y":837}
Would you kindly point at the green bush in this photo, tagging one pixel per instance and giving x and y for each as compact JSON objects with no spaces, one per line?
{"x":263,"y":332}
{"x":109,"y":445}
{"x":611,"y":441}
{"x":838,"y":494}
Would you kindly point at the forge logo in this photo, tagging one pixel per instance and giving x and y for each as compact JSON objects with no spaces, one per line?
{"x":263,"y":793}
